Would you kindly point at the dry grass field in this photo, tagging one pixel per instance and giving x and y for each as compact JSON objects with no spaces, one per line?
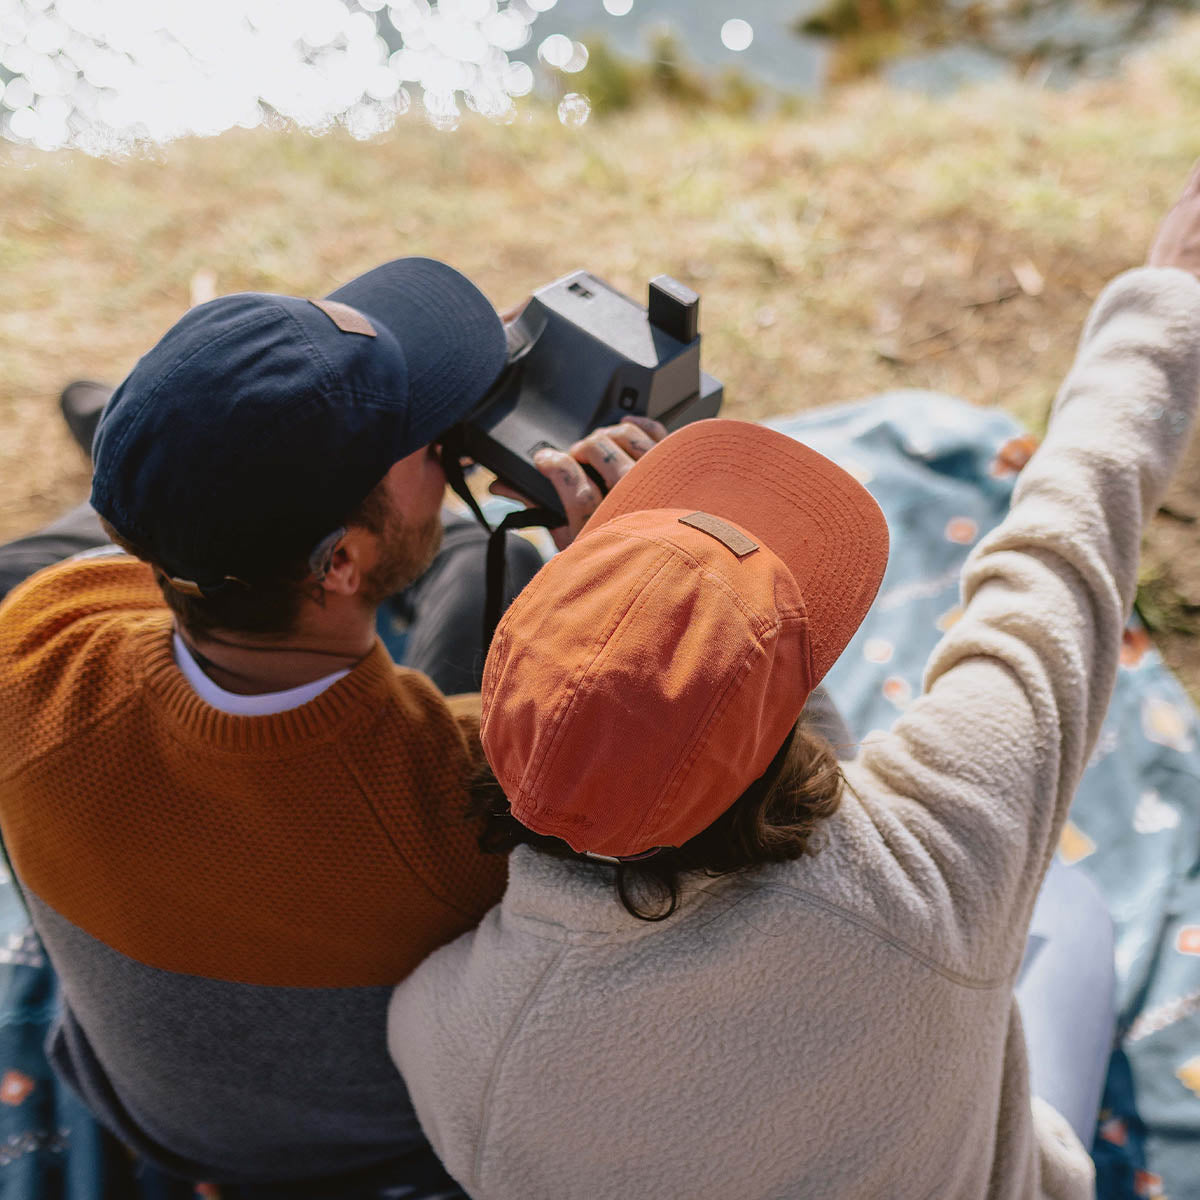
{"x":870,"y":241}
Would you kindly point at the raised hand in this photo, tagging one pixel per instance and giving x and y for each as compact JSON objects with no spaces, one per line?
{"x":1177,"y":243}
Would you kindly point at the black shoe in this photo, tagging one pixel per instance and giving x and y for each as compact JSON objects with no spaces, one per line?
{"x":82,"y":402}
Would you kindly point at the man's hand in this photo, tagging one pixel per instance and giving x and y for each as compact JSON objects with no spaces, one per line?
{"x":1177,"y":243}
{"x":609,"y":451}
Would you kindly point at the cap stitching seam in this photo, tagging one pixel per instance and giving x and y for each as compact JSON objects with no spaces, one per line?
{"x":638,"y":590}
{"x":163,"y":380}
{"x":135,"y":529}
{"x":687,"y":756}
{"x":330,"y":373}
{"x":487,"y":687}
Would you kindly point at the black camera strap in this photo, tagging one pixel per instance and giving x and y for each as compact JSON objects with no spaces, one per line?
{"x":497,"y":559}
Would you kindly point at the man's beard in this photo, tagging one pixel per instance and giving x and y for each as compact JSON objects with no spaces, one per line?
{"x":405,"y":553}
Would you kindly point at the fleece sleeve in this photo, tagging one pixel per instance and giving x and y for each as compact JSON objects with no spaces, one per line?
{"x":970,"y":790}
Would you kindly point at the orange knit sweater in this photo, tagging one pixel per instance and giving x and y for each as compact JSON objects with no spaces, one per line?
{"x":321,"y":847}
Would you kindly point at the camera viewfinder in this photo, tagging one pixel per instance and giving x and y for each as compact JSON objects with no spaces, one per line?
{"x":674,"y":308}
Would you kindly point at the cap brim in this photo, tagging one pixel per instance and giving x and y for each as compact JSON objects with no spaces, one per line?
{"x":818,"y":519}
{"x":451,"y":335}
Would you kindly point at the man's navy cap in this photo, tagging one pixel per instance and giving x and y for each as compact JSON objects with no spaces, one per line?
{"x":260,"y":422}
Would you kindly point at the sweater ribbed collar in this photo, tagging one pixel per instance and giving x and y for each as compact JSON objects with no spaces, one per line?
{"x":365,"y":688}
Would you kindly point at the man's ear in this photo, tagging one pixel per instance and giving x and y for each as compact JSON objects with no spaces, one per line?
{"x":348,"y":564}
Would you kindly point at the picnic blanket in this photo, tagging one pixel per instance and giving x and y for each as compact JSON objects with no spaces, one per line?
{"x":943,"y":473}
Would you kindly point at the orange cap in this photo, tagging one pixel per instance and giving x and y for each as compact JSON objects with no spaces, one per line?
{"x":649,"y":673}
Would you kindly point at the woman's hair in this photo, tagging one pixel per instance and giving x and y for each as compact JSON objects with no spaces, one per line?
{"x":773,"y":820}
{"x":272,"y":605}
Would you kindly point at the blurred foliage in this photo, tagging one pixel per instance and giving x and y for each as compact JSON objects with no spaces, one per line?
{"x":613,"y":83}
{"x":1068,"y":33}
{"x":609,"y":81}
{"x":865,"y":53}
{"x":840,"y":18}
{"x":870,"y":33}
{"x":671,"y":76}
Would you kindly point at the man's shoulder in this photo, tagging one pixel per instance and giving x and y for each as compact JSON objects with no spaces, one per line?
{"x":73,"y":626}
{"x":412,"y":717}
{"x":101,"y":581}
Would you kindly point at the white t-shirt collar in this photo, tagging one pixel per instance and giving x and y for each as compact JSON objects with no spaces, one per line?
{"x":236,"y":705}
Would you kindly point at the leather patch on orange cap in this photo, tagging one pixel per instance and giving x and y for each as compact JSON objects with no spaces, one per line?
{"x":732,"y":538}
{"x":347,"y":319}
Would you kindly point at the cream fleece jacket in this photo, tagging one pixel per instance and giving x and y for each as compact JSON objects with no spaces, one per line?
{"x":841,"y":1026}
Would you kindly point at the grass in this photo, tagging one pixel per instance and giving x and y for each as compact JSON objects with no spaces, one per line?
{"x":874,"y":240}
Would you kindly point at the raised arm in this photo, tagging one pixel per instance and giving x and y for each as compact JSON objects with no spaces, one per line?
{"x":977,"y":777}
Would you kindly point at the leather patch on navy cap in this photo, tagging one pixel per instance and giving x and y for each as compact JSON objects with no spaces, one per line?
{"x":187,"y":586}
{"x":347,"y":319}
{"x":732,"y":538}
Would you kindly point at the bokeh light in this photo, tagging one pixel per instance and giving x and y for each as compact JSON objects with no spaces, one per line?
{"x":578,"y":59}
{"x":556,"y":50}
{"x":563,"y":54}
{"x":737,"y":34}
{"x":574,"y":109}
{"x":108,"y":77}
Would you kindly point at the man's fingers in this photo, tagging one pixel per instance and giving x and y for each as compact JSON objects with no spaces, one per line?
{"x":610,"y":452}
{"x":649,"y":425}
{"x":579,"y":496}
{"x":633,"y":439}
{"x":603,"y":454}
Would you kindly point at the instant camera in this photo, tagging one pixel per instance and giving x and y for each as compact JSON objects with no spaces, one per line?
{"x":582,"y":355}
